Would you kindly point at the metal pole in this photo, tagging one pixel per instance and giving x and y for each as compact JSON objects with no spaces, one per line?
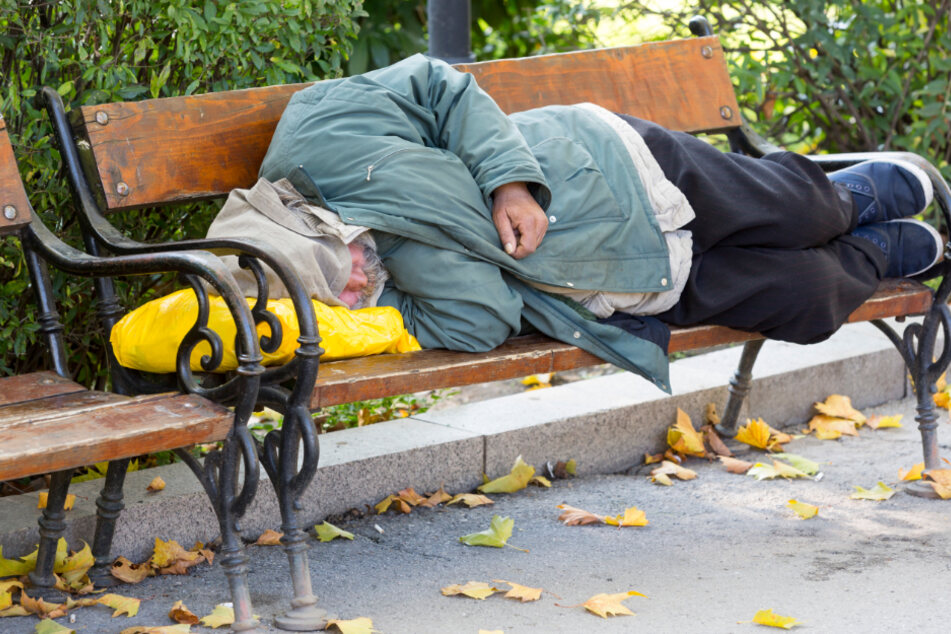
{"x":450,"y":38}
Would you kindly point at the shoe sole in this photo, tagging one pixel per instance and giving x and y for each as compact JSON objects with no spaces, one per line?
{"x":939,"y":241}
{"x":915,"y":171}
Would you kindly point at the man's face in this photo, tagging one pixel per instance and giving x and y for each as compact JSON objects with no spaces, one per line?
{"x":352,"y":292}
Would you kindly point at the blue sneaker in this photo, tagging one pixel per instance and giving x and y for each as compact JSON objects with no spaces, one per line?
{"x":886,"y":189}
{"x":910,"y":246}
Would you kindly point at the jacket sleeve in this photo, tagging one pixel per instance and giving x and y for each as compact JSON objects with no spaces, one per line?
{"x":448,"y":299}
{"x":460,"y":117}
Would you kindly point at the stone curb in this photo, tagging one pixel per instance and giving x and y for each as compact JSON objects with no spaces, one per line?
{"x":606,"y":424}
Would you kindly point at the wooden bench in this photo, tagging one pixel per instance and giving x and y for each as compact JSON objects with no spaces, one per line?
{"x":124,"y":156}
{"x":50,"y":424}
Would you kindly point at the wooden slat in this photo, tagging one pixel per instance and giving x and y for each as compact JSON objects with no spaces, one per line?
{"x":36,"y":385}
{"x":386,"y":375}
{"x":55,"y":407}
{"x":680,"y":84}
{"x":13,"y":200}
{"x":183,"y":148}
{"x":186,"y":148}
{"x":109,"y":433}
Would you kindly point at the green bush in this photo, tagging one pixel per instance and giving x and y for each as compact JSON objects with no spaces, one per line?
{"x":834,"y":75}
{"x":121,"y":50}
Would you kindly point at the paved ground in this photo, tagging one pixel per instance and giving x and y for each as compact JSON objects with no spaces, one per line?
{"x":717,"y":549}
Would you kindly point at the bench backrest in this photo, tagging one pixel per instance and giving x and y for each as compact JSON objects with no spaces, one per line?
{"x":186,"y":148}
{"x":14,"y":206}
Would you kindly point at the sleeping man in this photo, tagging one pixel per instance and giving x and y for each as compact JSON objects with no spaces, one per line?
{"x":594,"y":228}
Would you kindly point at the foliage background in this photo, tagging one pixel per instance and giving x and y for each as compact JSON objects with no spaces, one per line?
{"x":814,"y":75}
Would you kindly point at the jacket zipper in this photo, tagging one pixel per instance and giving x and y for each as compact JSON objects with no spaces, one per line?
{"x":375,"y":163}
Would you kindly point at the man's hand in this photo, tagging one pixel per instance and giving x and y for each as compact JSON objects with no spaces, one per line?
{"x":520,"y":221}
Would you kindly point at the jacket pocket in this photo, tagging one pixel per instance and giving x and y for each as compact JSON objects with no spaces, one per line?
{"x":580,"y":193}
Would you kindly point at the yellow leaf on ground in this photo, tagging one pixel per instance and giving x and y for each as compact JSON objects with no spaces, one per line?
{"x":516,"y":480}
{"x":470,"y":499}
{"x":838,"y":406}
{"x":573,"y":516}
{"x":180,"y":614}
{"x":497,"y":535}
{"x":362,"y":625}
{"x":16,"y":567}
{"x":768,"y":617}
{"x":712,"y":438}
{"x":541,"y":481}
{"x":327,"y":532}
{"x":940,"y":481}
{"x":942,"y":399}
{"x":828,"y":428}
{"x":410,"y":496}
{"x":44,"y":496}
{"x":632,"y":516}
{"x":878,"y":493}
{"x":167,"y":553}
{"x":735,"y":465}
{"x":605,"y":605}
{"x":436,"y":498}
{"x":14,"y":610}
{"x":803,"y":509}
{"x":384,"y":504}
{"x":128,"y":572}
{"x":669,"y":468}
{"x":662,"y":479}
{"x":571,"y":466}
{"x":221,"y":615}
{"x":520,"y":592}
{"x":49,"y":626}
{"x":41,"y":608}
{"x":538,"y":380}
{"x":778,"y":469}
{"x":882,"y":422}
{"x":912,"y":474}
{"x":122,"y":605}
{"x":269,"y":537}
{"x":652,"y":458}
{"x":809,"y":467}
{"x":683,"y":438}
{"x":756,"y":433}
{"x":6,"y":592}
{"x":182,"y":628}
{"x":157,"y":484}
{"x":472,"y":589}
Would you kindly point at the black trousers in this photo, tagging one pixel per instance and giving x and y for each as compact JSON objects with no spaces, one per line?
{"x":772,"y":252}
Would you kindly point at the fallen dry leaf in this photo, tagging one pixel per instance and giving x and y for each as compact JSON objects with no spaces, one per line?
{"x":327,"y":532}
{"x":516,"y":480}
{"x":171,"y":558}
{"x":410,"y":496}
{"x":6,"y":592}
{"x":756,"y":433}
{"x":562,"y":469}
{"x":803,"y":509}
{"x":436,"y":498}
{"x":221,"y":615}
{"x":180,"y":614}
{"x":942,"y":399}
{"x":838,"y":406}
{"x":683,"y":439}
{"x":713,"y":439}
{"x":652,"y":458}
{"x":632,"y":516}
{"x":605,"y":605}
{"x":663,"y":479}
{"x":269,"y":537}
{"x":14,"y":610}
{"x":735,"y":465}
{"x":122,"y":605}
{"x":669,"y":468}
{"x":573,"y":516}
{"x":882,"y":422}
{"x":912,"y":474}
{"x":384,"y":504}
{"x":361,"y":625}
{"x":778,"y":469}
{"x":497,"y":535}
{"x":541,"y":481}
{"x":768,"y":617}
{"x":828,"y":428}
{"x":470,"y":499}
{"x":16,"y":567}
{"x":472,"y":589}
{"x":182,"y":628}
{"x":710,"y":415}
{"x":940,"y":481}
{"x":128,"y":572}
{"x":536,"y":381}
{"x":44,"y":496}
{"x":520,"y":592}
{"x":879,"y":493}
{"x":809,"y":467}
{"x":49,"y":626}
{"x":157,"y":484}
{"x":41,"y":607}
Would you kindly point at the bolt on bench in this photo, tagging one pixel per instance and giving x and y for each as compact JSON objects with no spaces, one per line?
{"x":123,"y":156}
{"x":50,"y":424}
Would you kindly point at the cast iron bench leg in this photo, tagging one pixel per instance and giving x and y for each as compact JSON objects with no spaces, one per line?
{"x":739,"y":387}
{"x":52,"y":524}
{"x":108,"y":507}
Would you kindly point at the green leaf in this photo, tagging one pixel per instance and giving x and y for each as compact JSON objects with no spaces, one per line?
{"x":327,"y":532}
{"x":49,"y":626}
{"x":803,"y":464}
{"x":497,"y":535}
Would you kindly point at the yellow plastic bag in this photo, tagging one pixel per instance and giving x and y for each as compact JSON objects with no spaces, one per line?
{"x":148,"y":337}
